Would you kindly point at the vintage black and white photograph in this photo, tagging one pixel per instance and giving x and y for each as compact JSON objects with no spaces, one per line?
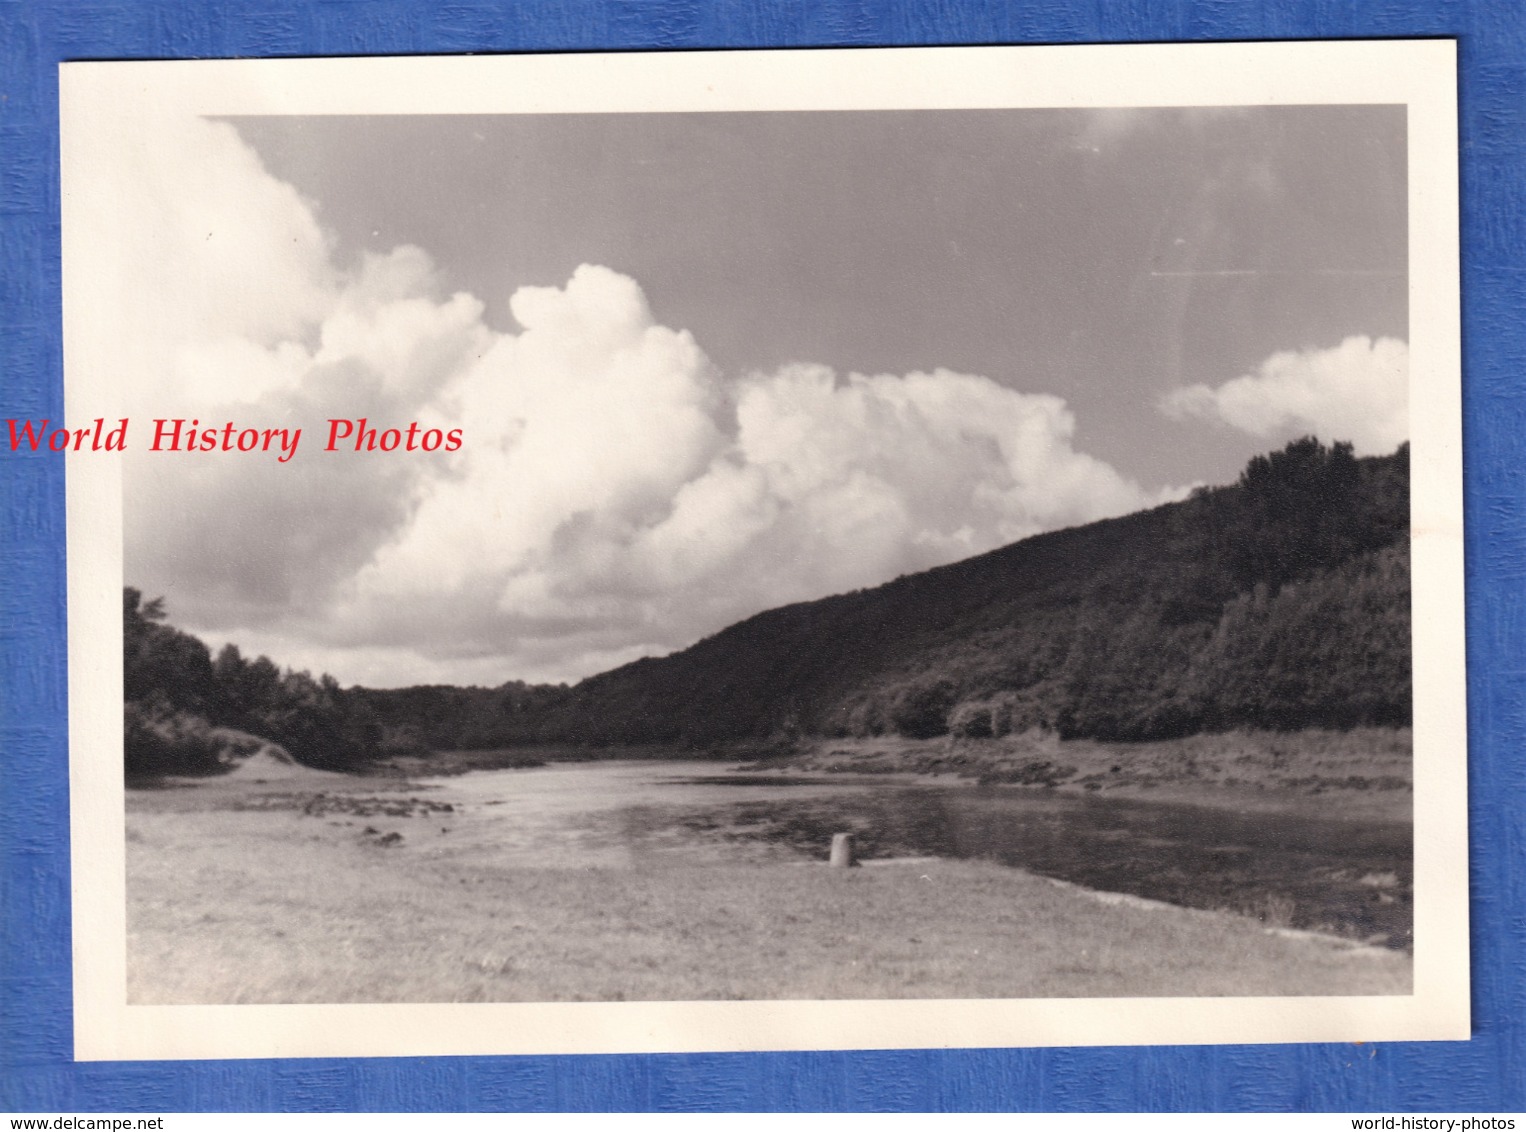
{"x":757,"y":555}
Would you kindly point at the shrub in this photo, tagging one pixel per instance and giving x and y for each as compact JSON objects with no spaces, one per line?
{"x":400,"y":739}
{"x":921,"y":710}
{"x":160,"y":740}
{"x":973,"y":720}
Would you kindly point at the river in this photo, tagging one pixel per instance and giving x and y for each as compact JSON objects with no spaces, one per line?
{"x":1347,"y":877}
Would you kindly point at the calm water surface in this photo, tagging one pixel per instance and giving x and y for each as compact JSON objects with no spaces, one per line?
{"x":1349,"y":877}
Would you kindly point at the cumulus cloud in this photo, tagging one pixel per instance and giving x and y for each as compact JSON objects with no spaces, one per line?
{"x":251,"y":541}
{"x":615,"y":496}
{"x":197,"y":258}
{"x":1357,"y":391}
{"x":620,"y":497}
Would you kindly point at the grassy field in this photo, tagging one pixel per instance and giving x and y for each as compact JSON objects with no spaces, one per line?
{"x":314,"y":888}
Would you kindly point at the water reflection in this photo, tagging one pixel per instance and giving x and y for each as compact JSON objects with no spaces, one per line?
{"x":1351,"y":877}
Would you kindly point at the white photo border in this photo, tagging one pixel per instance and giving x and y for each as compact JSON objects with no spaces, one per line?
{"x":1420,"y":74}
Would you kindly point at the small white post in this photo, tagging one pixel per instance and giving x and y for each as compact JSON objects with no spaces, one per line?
{"x":842,"y":851}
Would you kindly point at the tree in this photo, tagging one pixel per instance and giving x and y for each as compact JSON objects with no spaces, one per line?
{"x":1299,"y":512}
{"x":159,"y":659}
{"x":178,"y":697}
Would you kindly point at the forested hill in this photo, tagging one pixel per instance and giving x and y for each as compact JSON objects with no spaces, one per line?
{"x":1279,"y":602}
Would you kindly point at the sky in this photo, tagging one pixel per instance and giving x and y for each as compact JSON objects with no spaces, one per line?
{"x":708,"y":364}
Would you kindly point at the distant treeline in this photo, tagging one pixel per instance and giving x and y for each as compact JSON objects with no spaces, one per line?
{"x":187,"y":713}
{"x":1279,"y":602}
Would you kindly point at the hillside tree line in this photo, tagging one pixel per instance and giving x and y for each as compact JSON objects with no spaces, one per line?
{"x":1279,"y":602}
{"x":190,"y":713}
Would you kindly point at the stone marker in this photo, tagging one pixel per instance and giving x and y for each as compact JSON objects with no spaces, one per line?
{"x":842,"y":851}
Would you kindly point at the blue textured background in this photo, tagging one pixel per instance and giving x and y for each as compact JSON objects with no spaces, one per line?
{"x":36,"y":1070}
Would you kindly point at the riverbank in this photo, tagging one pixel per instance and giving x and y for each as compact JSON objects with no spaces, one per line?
{"x":497,"y":887}
{"x":1366,"y":772}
